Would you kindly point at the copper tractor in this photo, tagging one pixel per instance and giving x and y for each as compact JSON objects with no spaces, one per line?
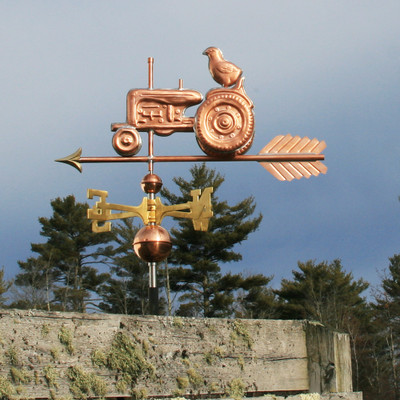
{"x":223,"y":123}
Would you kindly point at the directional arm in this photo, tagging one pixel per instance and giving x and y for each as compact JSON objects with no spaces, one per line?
{"x":101,"y":211}
{"x":199,"y":210}
{"x":151,"y":211}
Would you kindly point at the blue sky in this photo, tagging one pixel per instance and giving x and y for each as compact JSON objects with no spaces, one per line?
{"x":329,"y":70}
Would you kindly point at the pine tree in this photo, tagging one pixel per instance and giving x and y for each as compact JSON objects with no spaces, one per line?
{"x":69,"y":256}
{"x":322,"y":292}
{"x":4,"y":286}
{"x":204,"y":290}
{"x":257,"y":300}
{"x":33,"y":284}
{"x":387,"y":320}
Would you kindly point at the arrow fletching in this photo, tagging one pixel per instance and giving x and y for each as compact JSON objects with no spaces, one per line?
{"x":294,"y":169}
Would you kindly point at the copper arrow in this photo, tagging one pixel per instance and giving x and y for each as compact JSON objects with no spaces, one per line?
{"x":285,"y":157}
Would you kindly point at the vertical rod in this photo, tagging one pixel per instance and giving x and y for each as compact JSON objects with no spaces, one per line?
{"x":152,"y":275}
{"x":150,"y":60}
{"x":153,"y":289}
{"x":151,"y":150}
{"x":153,"y":303}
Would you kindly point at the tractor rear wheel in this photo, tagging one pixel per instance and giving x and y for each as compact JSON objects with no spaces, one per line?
{"x":224,"y":124}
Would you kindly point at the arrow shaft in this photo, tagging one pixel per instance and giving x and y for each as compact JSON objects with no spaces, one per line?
{"x":258,"y":157}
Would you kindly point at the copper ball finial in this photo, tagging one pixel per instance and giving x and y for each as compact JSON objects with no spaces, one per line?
{"x":151,"y":183}
{"x":152,"y":243}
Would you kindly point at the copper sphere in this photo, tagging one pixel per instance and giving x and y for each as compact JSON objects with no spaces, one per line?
{"x":152,"y":243}
{"x":151,"y":183}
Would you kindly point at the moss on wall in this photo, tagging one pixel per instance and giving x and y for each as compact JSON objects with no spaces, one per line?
{"x":125,"y":356}
{"x":85,"y":384}
{"x":7,"y":390}
{"x":20,"y":375}
{"x":236,"y":389}
{"x":13,"y":355}
{"x":51,"y":376}
{"x":240,"y":331}
{"x":65,"y":336}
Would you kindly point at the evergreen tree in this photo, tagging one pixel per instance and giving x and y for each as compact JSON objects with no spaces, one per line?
{"x":387,"y":321}
{"x":197,"y":255}
{"x":322,"y":292}
{"x":34,"y":284}
{"x":69,"y":256}
{"x":390,"y":294}
{"x":257,"y":300}
{"x":374,"y":366}
{"x":4,"y":286}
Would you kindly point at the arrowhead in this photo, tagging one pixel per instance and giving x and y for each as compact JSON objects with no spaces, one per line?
{"x":73,"y":160}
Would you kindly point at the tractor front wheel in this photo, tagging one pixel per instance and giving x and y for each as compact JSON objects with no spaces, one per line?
{"x":127,"y":141}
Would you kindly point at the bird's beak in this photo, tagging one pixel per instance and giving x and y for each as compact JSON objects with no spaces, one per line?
{"x":205,"y":52}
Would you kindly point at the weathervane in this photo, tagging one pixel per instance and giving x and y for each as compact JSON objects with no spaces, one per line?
{"x":224,"y":130}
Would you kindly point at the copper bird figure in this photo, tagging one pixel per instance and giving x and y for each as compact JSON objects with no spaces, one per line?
{"x":224,"y":72}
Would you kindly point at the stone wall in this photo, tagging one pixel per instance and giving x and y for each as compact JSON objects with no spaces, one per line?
{"x":63,"y":355}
